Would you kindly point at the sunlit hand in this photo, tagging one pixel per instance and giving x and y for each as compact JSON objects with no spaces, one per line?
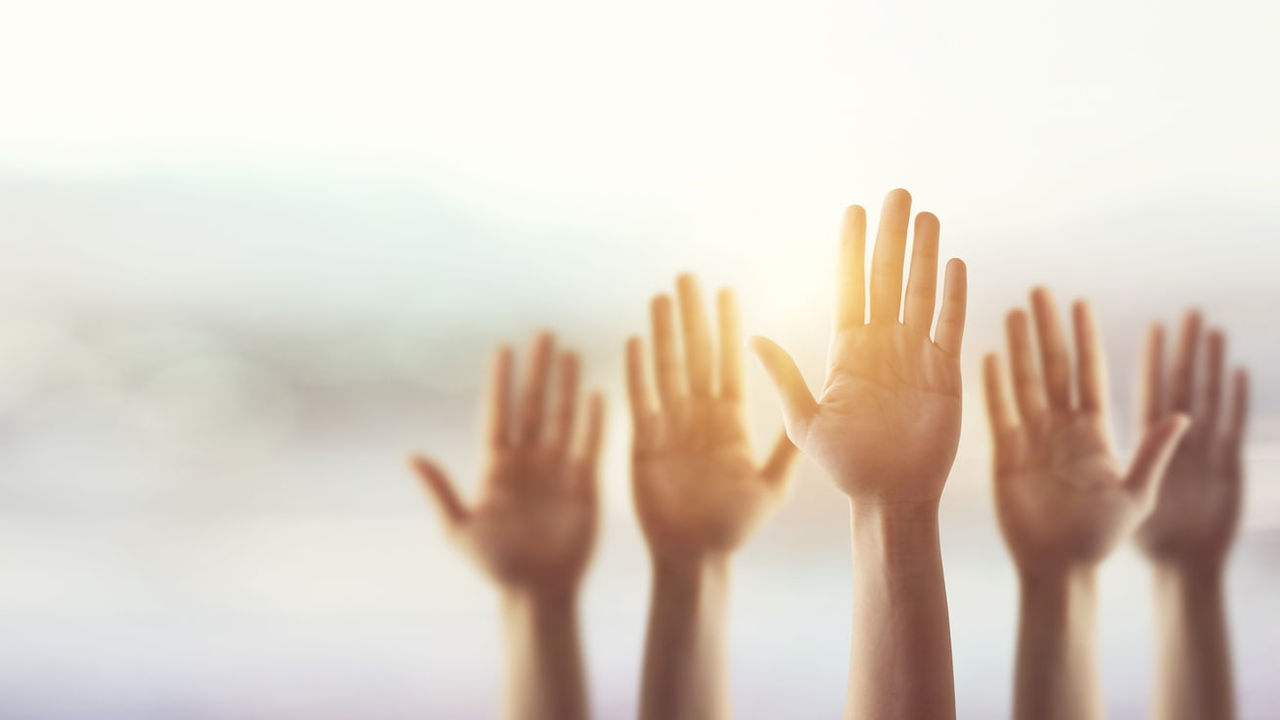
{"x":888,"y":419}
{"x":698,"y":492}
{"x":534,"y":523}
{"x":885,"y":428}
{"x":1061,"y":496}
{"x":1198,"y":505}
{"x":698,"y":489}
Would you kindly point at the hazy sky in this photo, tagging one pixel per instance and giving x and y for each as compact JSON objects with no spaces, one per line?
{"x":411,"y":158}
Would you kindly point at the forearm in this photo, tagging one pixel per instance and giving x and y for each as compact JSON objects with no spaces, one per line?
{"x":1193,"y":661}
{"x":1057,"y":672}
{"x":900,"y":662}
{"x":545,"y":679}
{"x":685,"y":659}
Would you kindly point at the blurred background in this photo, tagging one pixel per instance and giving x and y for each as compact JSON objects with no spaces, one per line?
{"x":254,"y":252}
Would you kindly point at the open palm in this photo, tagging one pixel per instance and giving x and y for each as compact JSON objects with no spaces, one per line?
{"x":1198,"y":506}
{"x":889,"y":387}
{"x":1061,"y":496}
{"x":697,"y":485}
{"x":534,"y":523}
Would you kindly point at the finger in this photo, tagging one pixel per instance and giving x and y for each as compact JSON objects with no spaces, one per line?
{"x":851,"y":268}
{"x":593,"y":433}
{"x":697,"y":335}
{"x":999,"y":412}
{"x":951,"y":319}
{"x":665,"y":355}
{"x":1090,"y":364}
{"x":1239,"y":409}
{"x":798,"y":405}
{"x":567,"y":401}
{"x":1209,"y":401}
{"x":440,"y":490}
{"x":1151,"y":397}
{"x":886,"y":262}
{"x":922,"y":283}
{"x":1182,"y":374}
{"x":587,"y":455}
{"x":1158,"y":444}
{"x":533,"y":398}
{"x":782,"y":459}
{"x":500,"y":398}
{"x":1053,"y":350}
{"x":730,"y":346}
{"x":1028,"y":392}
{"x":639,"y":395}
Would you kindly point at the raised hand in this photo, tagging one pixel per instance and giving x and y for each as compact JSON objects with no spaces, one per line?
{"x":698,"y":487}
{"x":1198,"y":506}
{"x":1063,"y":501}
{"x":885,"y":428}
{"x":1188,"y":534}
{"x":887,"y":421}
{"x":532,"y":528}
{"x":699,"y":492}
{"x":1062,"y":498}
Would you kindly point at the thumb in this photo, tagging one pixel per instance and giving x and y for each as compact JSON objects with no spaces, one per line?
{"x":439,"y":487}
{"x":777,"y":468}
{"x":798,"y":405}
{"x":1149,"y":463}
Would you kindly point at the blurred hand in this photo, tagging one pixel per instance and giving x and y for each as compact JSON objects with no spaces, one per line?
{"x":888,"y":420}
{"x":534,"y":523}
{"x":1198,"y":506}
{"x":697,"y":487}
{"x":1062,"y":499}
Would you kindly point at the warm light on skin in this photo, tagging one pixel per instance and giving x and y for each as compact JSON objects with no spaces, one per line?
{"x":892,"y":382}
{"x":699,"y":492}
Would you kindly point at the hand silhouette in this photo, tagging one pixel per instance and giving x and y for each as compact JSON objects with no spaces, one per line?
{"x":888,"y":420}
{"x":698,"y":494}
{"x":1198,"y":505}
{"x":697,"y":487}
{"x":1063,"y":501}
{"x":1061,"y":497}
{"x":533,"y":526}
{"x":886,"y":428}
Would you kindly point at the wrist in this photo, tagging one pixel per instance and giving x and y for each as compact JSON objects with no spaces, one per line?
{"x":690,"y":598}
{"x":1064,"y":600}
{"x":683,"y":556}
{"x":691,"y":569}
{"x":901,"y":513}
{"x":895,"y":533}
{"x":1202,"y":570}
{"x":1067,"y":582}
{"x":1189,"y":583}
{"x":540,"y":602}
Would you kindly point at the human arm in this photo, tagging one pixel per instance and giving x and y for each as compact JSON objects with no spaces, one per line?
{"x":699,"y":493}
{"x":1188,"y":535}
{"x":532,"y":528}
{"x":1062,"y":499}
{"x":885,"y":428}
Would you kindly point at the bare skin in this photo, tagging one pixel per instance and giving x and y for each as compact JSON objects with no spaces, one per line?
{"x":1188,"y":535}
{"x":885,"y":427}
{"x":699,"y":492}
{"x":1063,"y":500}
{"x":533,"y":526}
